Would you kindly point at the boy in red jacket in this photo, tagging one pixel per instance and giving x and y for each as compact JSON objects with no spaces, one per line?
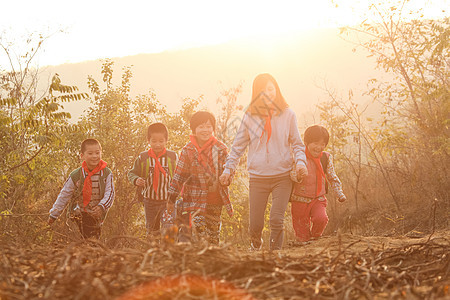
{"x":308,"y":201}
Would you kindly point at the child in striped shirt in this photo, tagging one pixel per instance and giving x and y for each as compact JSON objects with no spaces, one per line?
{"x":152,"y":172}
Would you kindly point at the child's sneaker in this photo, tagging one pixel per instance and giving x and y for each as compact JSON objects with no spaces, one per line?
{"x":169,"y":229}
{"x":299,"y":243}
{"x":254,"y":245}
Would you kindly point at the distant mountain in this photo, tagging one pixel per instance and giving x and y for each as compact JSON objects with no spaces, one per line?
{"x":301,"y":62}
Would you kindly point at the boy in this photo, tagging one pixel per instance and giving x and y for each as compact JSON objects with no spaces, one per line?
{"x":308,"y":196}
{"x":90,"y":189}
{"x":152,"y":172}
{"x":197,"y":178}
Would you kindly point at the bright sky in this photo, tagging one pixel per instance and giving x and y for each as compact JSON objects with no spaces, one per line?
{"x":98,"y":29}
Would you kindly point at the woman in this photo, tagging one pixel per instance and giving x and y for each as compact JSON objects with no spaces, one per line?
{"x":269,"y":130}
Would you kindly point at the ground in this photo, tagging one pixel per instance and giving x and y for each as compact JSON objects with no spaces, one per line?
{"x":341,"y":266}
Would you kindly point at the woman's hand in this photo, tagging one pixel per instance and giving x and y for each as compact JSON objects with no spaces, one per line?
{"x":224,"y":179}
{"x":302,"y":171}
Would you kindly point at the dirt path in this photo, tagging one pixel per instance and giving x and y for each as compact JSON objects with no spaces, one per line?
{"x":337,"y":267}
{"x":357,"y":243}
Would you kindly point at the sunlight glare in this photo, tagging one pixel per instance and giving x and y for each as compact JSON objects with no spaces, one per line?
{"x":100,"y":29}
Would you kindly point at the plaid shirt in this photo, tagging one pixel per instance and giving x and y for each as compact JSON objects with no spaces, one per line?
{"x":193,"y":180}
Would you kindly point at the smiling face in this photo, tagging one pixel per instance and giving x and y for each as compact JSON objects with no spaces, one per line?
{"x":157,"y":142}
{"x":204,"y":132}
{"x":266,"y":95}
{"x":267,"y":98}
{"x":315,"y":148}
{"x":271,"y":93}
{"x":92,"y":155}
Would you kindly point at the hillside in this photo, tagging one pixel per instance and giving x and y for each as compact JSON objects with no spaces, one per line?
{"x":300,"y":62}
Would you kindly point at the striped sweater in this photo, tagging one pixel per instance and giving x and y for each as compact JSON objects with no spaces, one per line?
{"x":144,"y":166}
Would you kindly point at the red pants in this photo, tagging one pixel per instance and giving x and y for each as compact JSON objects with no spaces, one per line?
{"x":303,"y":214}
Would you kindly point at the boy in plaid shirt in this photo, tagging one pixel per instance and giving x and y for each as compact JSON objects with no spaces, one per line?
{"x":196,"y":177}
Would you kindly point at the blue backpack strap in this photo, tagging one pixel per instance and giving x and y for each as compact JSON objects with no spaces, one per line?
{"x":171,"y":161}
{"x":324,"y":161}
{"x":144,"y":161}
{"x":106,"y":172}
{"x":145,"y":164}
{"x":76,"y":178}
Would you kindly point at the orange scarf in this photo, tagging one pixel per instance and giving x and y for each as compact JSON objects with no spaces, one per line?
{"x":267,"y":126}
{"x":319,"y":170}
{"x":158,"y":168}
{"x":87,"y":186}
{"x":202,"y":152}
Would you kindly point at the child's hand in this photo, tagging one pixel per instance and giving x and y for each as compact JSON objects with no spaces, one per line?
{"x":51,"y":220}
{"x":302,"y":171}
{"x":140,"y":181}
{"x":224,"y":179}
{"x":97,"y":212}
{"x":342,"y":199}
{"x":170,"y":207}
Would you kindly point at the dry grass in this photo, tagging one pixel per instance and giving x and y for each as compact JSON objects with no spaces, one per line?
{"x":342,"y":266}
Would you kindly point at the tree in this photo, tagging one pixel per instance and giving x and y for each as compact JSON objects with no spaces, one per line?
{"x":351,"y":124}
{"x":110,"y":119}
{"x":179,"y":123}
{"x":412,"y":135}
{"x":33,"y":126}
{"x":30,"y":122}
{"x":227,"y":119}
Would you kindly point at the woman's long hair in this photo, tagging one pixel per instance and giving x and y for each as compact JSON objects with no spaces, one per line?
{"x":258,"y":105}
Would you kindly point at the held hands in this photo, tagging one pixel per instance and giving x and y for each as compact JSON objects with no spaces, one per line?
{"x":224,"y":179}
{"x":140,"y":181}
{"x":301,"y":171}
{"x":51,"y":220}
{"x":342,"y":198}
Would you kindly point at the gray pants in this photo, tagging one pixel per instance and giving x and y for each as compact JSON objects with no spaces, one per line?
{"x":260,"y":189}
{"x":154,"y":209}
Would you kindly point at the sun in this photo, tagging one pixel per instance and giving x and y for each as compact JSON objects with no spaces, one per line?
{"x":101,"y":29}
